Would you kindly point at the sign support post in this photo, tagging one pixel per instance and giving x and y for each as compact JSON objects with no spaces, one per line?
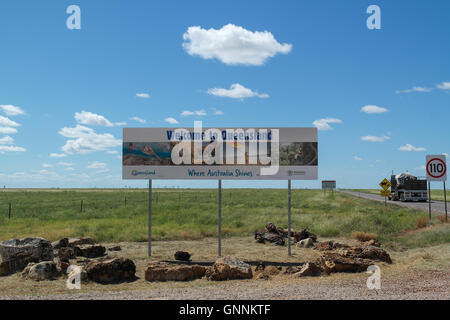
{"x":149,"y":218}
{"x":220,"y":220}
{"x":289,"y":217}
{"x":445,"y":203}
{"x":429,"y":199}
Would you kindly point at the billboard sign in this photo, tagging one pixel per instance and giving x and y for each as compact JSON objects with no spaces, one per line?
{"x":220,"y":154}
{"x":328,"y":184}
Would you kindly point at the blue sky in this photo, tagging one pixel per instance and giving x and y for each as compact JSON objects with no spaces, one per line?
{"x":318,"y":60}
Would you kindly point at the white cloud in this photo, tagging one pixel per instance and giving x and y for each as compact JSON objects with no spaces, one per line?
{"x":236,"y":91}
{"x":171,"y":120}
{"x":11,"y":110}
{"x":414,"y":89}
{"x":4,"y":121}
{"x":69,"y":169}
{"x":8,"y":130}
{"x":409,"y":147}
{"x":86,"y":140}
{"x":375,"y":138}
{"x":444,"y":86}
{"x":218,"y":112}
{"x":66,"y":164}
{"x":120,"y":123}
{"x":445,"y":154}
{"x":233,"y":45}
{"x":138,"y":119}
{"x":358,"y":158}
{"x":97,"y":165}
{"x":58,"y":155}
{"x":199,"y":113}
{"x":422,"y":167}
{"x":112,"y":152}
{"x":4,"y":149}
{"x":6,"y":140}
{"x":324,"y":124}
{"x":370,"y":109}
{"x":89,"y":118}
{"x":143,"y":95}
{"x":47,"y":165}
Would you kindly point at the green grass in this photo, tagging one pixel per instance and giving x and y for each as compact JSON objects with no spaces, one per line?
{"x":437,"y":195}
{"x":192,"y":214}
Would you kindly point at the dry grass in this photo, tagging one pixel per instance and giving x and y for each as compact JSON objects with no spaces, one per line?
{"x":422,"y":222}
{"x":442,"y":219}
{"x":363,"y":236}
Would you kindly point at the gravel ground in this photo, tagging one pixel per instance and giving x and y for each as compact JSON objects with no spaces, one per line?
{"x":437,"y":207}
{"x":430,"y":285}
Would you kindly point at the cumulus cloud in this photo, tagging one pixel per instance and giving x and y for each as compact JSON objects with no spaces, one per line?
{"x":236,"y":91}
{"x":138,"y":120}
{"x":444,"y":86}
{"x":8,"y":130}
{"x":143,"y":95}
{"x":66,"y":164}
{"x":58,"y":155}
{"x":414,"y":89}
{"x":217,"y":112}
{"x":11,"y":110}
{"x":411,"y":148}
{"x":47,"y":165}
{"x":358,"y":158}
{"x":199,"y":113}
{"x":4,"y":149}
{"x":97,"y":165}
{"x":324,"y":124}
{"x":85,"y":140}
{"x":6,"y":140}
{"x":371,"y":109}
{"x":171,"y":120}
{"x":89,"y":118}
{"x":375,"y":138}
{"x":233,"y":45}
{"x":6,"y":122}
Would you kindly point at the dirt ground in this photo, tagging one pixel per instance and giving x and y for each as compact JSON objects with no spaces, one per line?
{"x":415,"y":274}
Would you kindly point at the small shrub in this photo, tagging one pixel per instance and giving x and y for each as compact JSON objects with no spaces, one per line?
{"x":363,"y":236}
{"x":422,"y":223}
{"x":442,"y":219}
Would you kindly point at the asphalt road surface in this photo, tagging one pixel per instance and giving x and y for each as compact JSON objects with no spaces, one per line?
{"x":437,"y":207}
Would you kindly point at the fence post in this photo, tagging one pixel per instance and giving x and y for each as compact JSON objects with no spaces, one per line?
{"x":9,"y":211}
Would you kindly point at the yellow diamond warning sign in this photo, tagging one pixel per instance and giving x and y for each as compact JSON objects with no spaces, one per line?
{"x":385,"y":184}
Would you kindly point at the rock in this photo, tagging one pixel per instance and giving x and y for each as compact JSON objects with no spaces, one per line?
{"x":39,"y":248}
{"x":116,"y":248}
{"x":228,"y":269}
{"x":66,"y":253}
{"x":182,"y":256}
{"x":334,"y":262}
{"x":271,"y":270}
{"x":89,"y":250}
{"x":45,"y":270}
{"x":375,"y":253}
{"x":262,"y":276}
{"x":309,"y":269}
{"x":305,"y":243}
{"x":79,"y":242}
{"x":77,"y":271}
{"x":260,"y":267}
{"x":62,"y":243}
{"x":292,"y":270}
{"x":16,"y":262}
{"x":304,"y":234}
{"x":111,"y":270}
{"x":64,"y":266}
{"x":262,"y":237}
{"x":161,"y":271}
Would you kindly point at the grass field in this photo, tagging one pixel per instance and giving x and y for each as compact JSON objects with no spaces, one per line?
{"x":437,"y":195}
{"x":113,"y":215}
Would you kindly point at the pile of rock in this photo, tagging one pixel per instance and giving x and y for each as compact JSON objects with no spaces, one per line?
{"x":277,"y":235}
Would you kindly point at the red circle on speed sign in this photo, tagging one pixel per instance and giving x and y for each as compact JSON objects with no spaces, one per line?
{"x":443,"y":171}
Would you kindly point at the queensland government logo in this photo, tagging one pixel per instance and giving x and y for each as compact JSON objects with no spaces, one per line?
{"x":146,"y":173}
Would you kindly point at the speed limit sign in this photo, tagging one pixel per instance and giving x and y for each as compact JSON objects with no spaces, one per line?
{"x":436,"y":168}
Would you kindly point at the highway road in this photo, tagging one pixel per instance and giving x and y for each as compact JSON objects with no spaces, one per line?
{"x":437,"y":207}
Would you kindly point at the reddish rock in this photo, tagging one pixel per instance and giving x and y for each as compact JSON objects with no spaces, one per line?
{"x":111,"y":270}
{"x":228,"y":269}
{"x":161,"y":271}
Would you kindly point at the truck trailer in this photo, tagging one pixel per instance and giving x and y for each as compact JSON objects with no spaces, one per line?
{"x":407,"y":187}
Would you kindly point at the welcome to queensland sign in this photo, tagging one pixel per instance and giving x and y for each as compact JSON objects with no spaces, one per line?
{"x":226,"y":154}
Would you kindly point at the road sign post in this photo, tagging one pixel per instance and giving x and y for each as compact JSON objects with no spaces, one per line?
{"x":436,"y":167}
{"x":385,"y":184}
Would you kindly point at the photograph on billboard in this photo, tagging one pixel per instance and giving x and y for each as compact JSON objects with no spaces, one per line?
{"x":156,"y":153}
